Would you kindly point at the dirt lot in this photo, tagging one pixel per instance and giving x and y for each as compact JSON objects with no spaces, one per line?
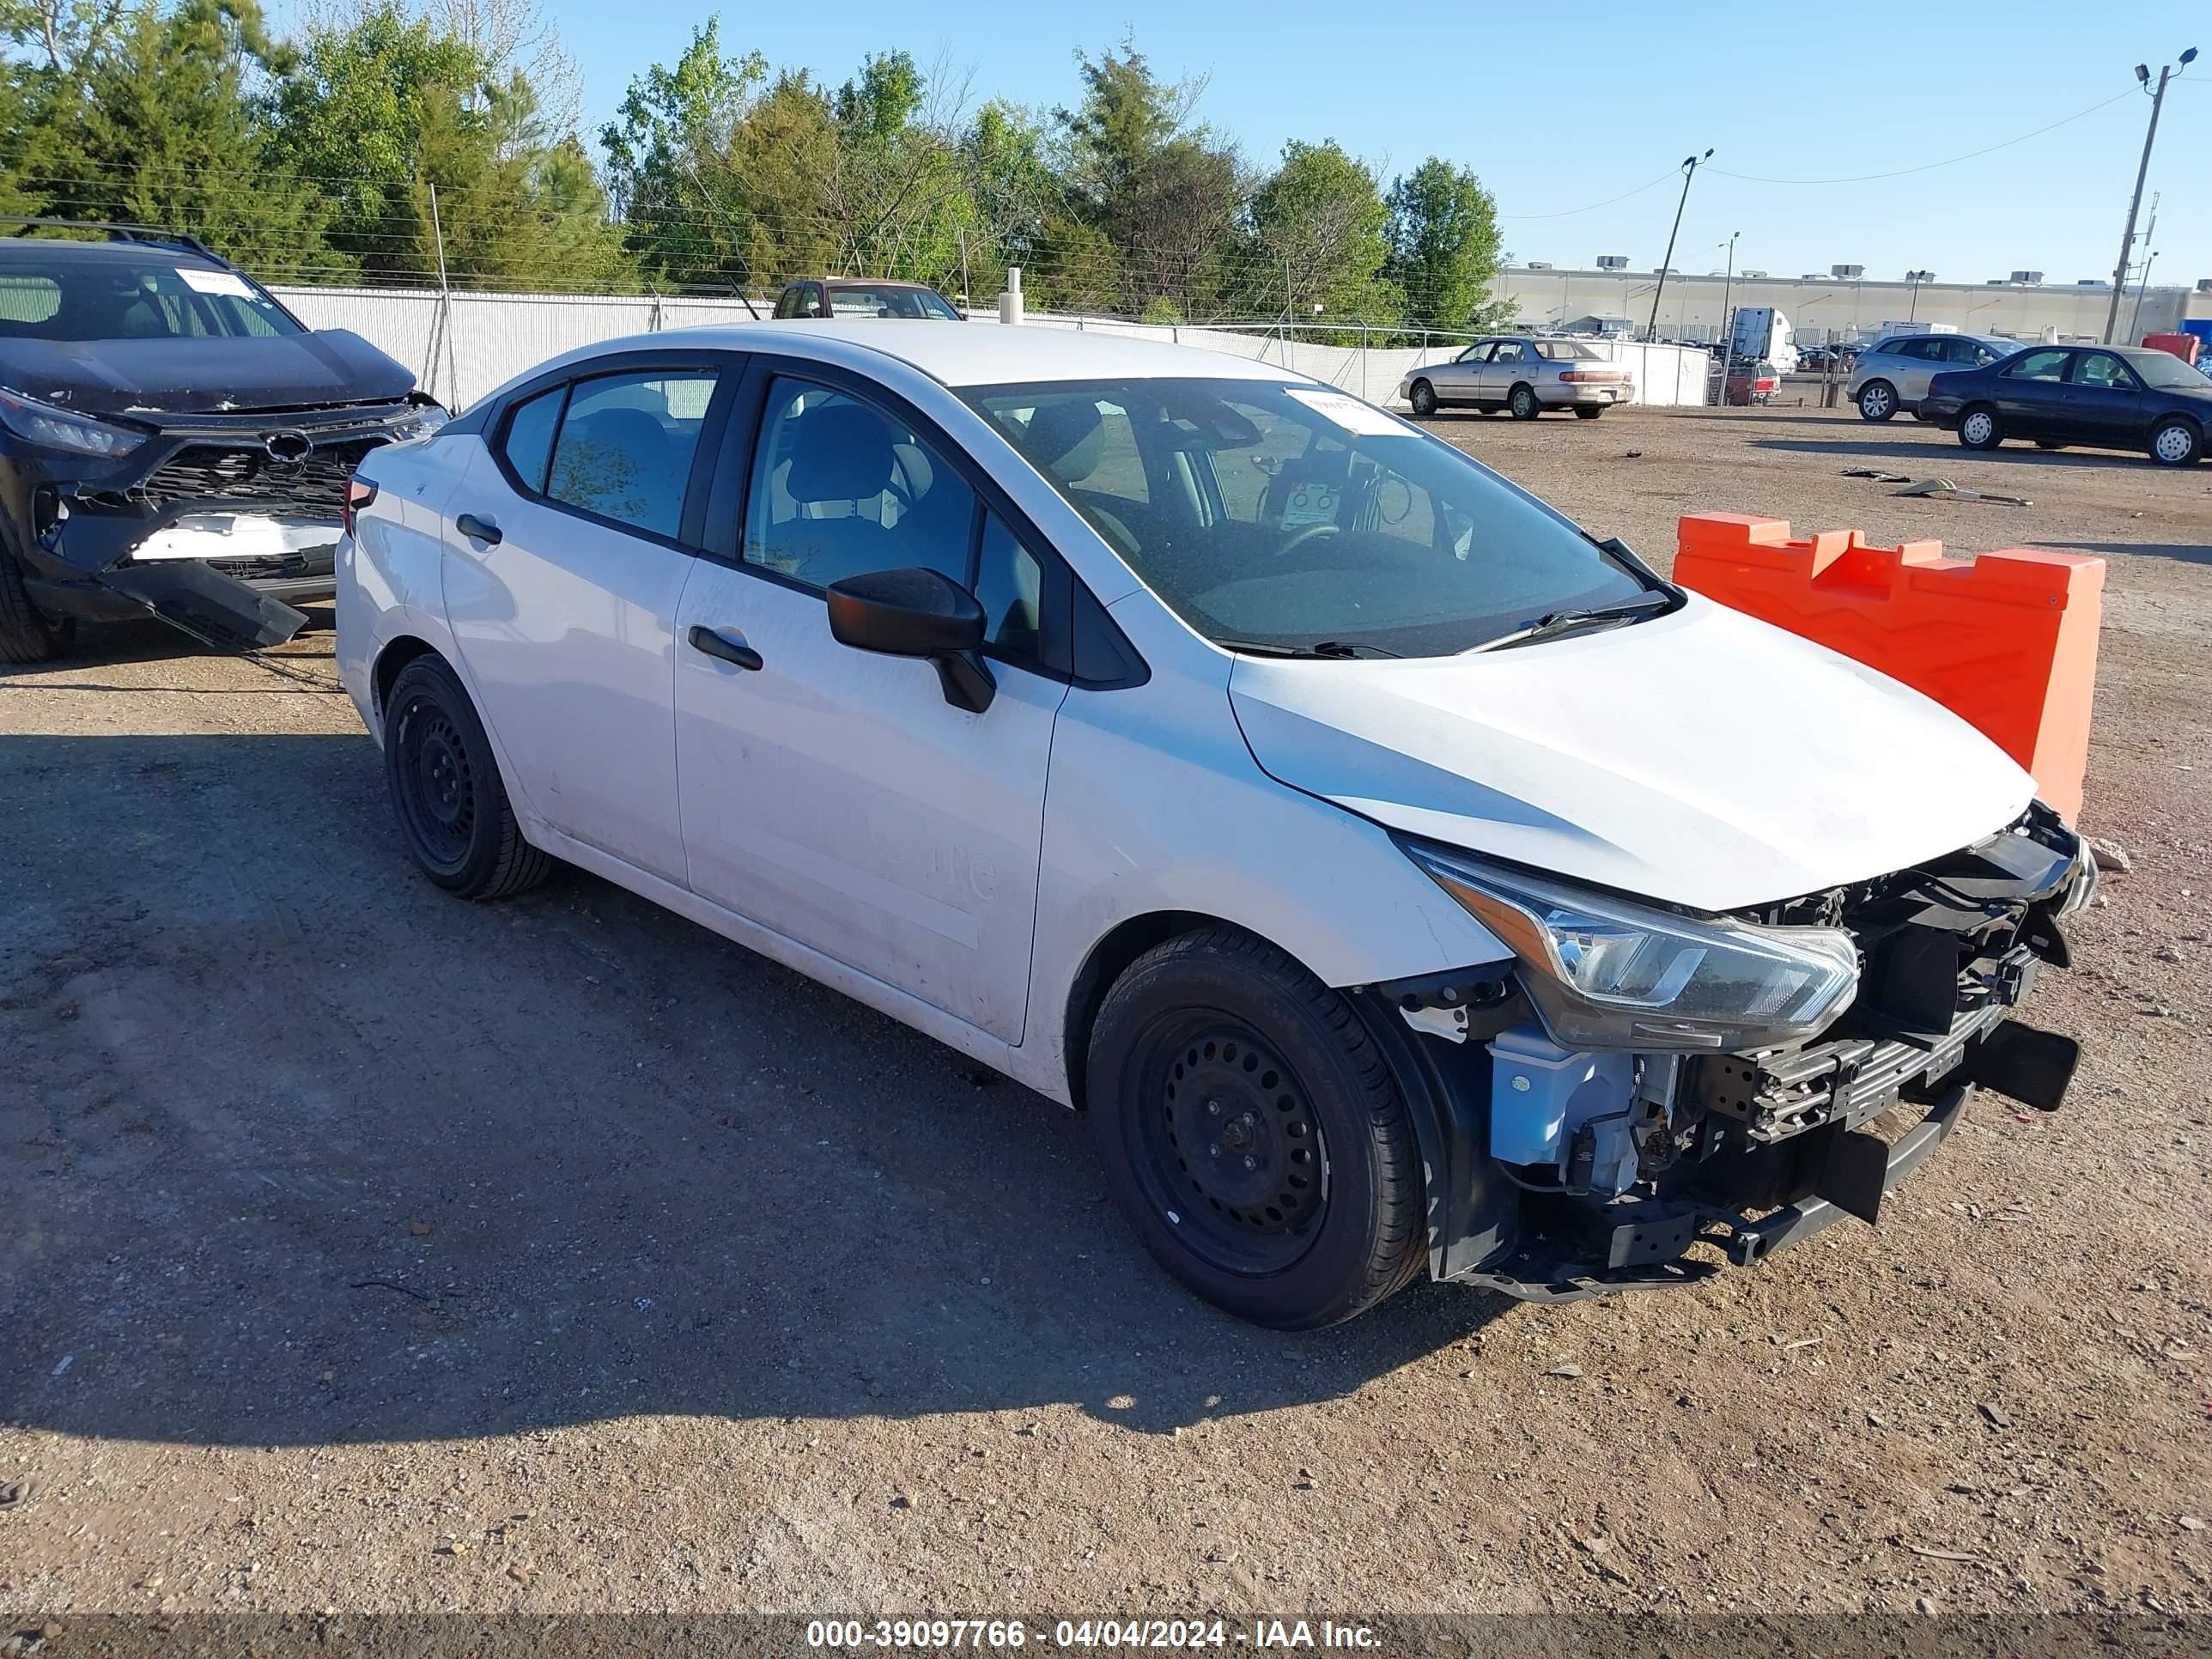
{"x":368,"y":1250}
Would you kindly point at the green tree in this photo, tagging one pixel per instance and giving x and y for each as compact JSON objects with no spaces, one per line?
{"x":1444,"y":249}
{"x":1320,"y":238}
{"x":668,"y":152}
{"x":164,"y":118}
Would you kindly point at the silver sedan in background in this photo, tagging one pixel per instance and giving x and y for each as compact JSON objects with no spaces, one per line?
{"x":1524,"y":375}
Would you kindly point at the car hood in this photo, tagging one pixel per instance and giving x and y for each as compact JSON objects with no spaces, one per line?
{"x":152,"y":377}
{"x":1702,"y":758}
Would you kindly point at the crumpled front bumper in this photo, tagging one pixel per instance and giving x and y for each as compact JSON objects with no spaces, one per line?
{"x":80,"y":522}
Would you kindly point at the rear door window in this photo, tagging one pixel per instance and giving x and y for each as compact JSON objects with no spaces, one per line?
{"x":2041,"y":366}
{"x":528,"y":445}
{"x":626,"y":445}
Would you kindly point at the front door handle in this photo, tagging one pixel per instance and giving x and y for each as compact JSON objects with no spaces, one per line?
{"x":721,"y":645}
{"x":479,"y":530}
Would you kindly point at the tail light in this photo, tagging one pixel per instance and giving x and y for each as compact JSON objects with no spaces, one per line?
{"x":1574,"y":375}
{"x":359,"y":494}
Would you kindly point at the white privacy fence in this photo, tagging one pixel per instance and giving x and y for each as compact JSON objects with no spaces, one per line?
{"x":492,"y":337}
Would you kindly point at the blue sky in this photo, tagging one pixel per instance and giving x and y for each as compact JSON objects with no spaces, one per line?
{"x":1558,"y":116}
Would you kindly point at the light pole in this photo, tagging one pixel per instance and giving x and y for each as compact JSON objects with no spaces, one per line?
{"x":1728,"y":284}
{"x":1689,"y":164}
{"x":1917,"y":278}
{"x":2167,"y":72}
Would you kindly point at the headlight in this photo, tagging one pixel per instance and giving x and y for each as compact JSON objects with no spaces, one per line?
{"x":420,"y":423}
{"x":1609,"y":973}
{"x":60,"y":429}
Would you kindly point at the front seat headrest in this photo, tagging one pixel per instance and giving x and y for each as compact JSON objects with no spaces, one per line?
{"x":1068,"y":439}
{"x":840,"y":453}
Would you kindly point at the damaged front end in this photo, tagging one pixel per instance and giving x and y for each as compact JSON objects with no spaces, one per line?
{"x":1642,"y":1097}
{"x":220,"y":524}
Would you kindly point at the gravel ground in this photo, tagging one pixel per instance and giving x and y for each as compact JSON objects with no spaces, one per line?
{"x":372,"y":1251}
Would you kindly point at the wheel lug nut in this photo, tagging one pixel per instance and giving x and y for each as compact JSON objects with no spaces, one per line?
{"x":1251,"y":1162}
{"x":1213,"y":1108}
{"x":1214,"y":1151}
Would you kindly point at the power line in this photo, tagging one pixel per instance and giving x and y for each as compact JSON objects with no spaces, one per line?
{"x":1568,"y":213}
{"x":1930,"y":167}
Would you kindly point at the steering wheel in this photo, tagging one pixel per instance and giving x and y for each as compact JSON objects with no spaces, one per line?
{"x":1301,"y":535}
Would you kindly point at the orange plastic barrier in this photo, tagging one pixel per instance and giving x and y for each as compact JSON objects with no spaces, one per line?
{"x":2008,"y":641}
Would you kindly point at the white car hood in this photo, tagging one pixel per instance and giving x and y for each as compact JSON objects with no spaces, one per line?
{"x":1703,"y":757}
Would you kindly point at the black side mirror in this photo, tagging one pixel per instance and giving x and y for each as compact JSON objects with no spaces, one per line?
{"x":917,"y":612}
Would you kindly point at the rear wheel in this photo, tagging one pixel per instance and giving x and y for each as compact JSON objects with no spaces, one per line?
{"x":25,"y":635}
{"x":1522,"y":402}
{"x":1252,"y":1132}
{"x":447,"y":791}
{"x":1979,"y":427}
{"x":1877,"y":400}
{"x":2176,"y":442}
{"x":1590,"y":412}
{"x":1424,"y":397}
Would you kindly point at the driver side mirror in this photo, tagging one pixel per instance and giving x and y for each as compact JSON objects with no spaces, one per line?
{"x":917,"y":612}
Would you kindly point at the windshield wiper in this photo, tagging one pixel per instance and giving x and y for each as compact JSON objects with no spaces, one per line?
{"x":1557,"y":623}
{"x":1326,"y":648}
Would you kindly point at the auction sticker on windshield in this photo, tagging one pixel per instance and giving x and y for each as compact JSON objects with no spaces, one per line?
{"x":1348,"y":412}
{"x":214,"y":282}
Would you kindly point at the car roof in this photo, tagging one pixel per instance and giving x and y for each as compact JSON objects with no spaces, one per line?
{"x":27,"y":250}
{"x":983,"y":353}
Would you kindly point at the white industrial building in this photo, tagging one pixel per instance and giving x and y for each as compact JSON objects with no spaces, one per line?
{"x":1844,"y":305}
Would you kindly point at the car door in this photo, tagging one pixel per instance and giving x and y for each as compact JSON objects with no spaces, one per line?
{"x":1912,"y":364}
{"x":567,"y":551}
{"x":835,"y":795}
{"x":2103,"y":402}
{"x":1508,"y":365}
{"x":1459,"y":382}
{"x":2030,"y":393}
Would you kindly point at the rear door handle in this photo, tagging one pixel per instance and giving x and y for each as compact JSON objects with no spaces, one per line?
{"x":486,"y":530}
{"x":721,"y":645}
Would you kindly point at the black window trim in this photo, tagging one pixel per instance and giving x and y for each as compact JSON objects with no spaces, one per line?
{"x":728,"y":368}
{"x":732,"y":486}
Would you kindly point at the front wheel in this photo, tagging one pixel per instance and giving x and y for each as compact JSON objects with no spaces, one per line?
{"x":2176,"y":442}
{"x":1979,"y":428}
{"x":1521,"y":404}
{"x":1424,"y":398}
{"x":26,"y":635}
{"x":447,"y":791}
{"x":1877,"y":400}
{"x":1252,"y":1132}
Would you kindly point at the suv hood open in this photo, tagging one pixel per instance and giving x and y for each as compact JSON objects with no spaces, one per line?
{"x":1702,"y":758}
{"x":153,"y":377}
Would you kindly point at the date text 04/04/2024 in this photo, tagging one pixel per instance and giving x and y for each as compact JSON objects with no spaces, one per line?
{"x":1103,"y":1633}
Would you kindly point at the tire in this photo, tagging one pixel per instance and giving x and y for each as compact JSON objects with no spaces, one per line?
{"x":1979,"y":427}
{"x":1589,"y":414}
{"x":2176,"y":441}
{"x":1215,"y":1049}
{"x":446,"y":789}
{"x":1877,"y":400}
{"x":25,"y":635}
{"x":1521,"y":404}
{"x":1424,"y":399}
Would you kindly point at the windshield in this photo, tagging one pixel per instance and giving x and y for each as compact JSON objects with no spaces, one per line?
{"x":62,"y":296}
{"x":2163,"y":369}
{"x":1297,"y":516}
{"x":1569,"y":351}
{"x":847,"y":301}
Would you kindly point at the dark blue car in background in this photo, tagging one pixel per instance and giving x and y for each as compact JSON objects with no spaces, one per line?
{"x":2100,"y":397}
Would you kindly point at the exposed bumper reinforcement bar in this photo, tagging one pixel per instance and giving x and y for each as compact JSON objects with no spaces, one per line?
{"x":1529,"y":1276}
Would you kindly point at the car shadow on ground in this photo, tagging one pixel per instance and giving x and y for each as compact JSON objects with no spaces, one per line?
{"x":2199,"y":553}
{"x":305,"y":1152}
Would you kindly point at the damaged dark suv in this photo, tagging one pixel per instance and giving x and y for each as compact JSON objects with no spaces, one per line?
{"x":174,"y":441}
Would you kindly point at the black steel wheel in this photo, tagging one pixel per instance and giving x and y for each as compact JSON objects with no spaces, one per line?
{"x":1252,"y":1131}
{"x":446,"y":789}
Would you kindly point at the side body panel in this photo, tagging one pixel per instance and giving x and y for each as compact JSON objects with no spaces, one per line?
{"x":390,"y":572}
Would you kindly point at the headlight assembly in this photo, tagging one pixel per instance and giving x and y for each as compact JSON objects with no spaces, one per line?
{"x":62,"y":429}
{"x":1608,"y":973}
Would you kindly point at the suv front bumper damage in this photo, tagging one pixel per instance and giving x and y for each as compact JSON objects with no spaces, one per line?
{"x":146,"y":534}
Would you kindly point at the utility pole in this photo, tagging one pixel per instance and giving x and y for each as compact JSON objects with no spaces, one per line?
{"x":2166,"y":73}
{"x":1689,"y":164}
{"x":2142,"y":289}
{"x":1917,"y":278}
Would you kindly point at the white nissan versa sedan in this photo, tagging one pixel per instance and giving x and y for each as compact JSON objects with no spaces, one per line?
{"x":1399,"y":878}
